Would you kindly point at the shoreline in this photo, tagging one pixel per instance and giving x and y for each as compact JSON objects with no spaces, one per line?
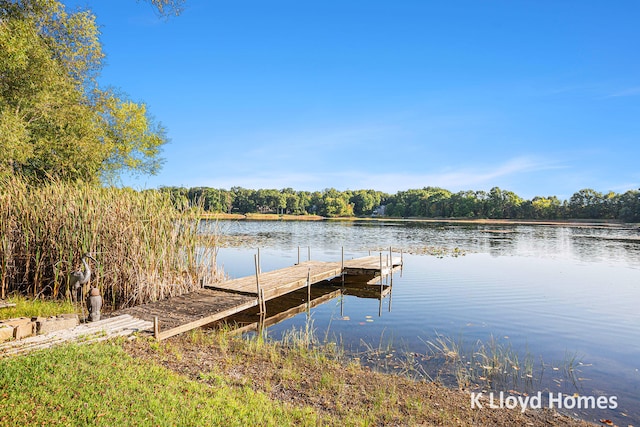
{"x":304,"y":375}
{"x":471,"y":221}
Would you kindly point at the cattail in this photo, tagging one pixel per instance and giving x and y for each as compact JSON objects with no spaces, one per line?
{"x":145,"y":247}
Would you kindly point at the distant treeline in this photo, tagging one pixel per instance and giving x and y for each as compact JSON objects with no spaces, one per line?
{"x":429,"y":202}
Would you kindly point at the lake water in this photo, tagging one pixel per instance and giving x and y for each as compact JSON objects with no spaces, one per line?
{"x":558,"y":306}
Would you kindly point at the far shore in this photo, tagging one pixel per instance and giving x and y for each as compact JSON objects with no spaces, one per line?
{"x":289,"y":217}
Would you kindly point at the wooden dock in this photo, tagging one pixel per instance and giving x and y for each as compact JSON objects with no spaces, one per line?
{"x":176,"y":315}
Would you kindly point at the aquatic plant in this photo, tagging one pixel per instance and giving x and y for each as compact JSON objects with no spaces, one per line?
{"x":146,"y":248}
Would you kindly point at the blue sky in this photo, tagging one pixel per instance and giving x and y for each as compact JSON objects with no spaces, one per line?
{"x":536,"y":97}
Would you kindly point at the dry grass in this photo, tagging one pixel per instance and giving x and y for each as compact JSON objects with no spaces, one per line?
{"x":259,"y":216}
{"x":146,"y":249}
{"x":342,"y":393}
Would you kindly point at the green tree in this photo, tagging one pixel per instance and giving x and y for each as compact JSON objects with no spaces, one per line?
{"x":586,"y":203}
{"x":168,"y":7}
{"x":365,"y":201}
{"x":503,"y":204}
{"x":55,"y":121}
{"x":545,"y":207}
{"x":179,"y":196}
{"x":304,"y":202}
{"x":464,"y":204}
{"x":438,"y":202}
{"x":610,"y":205}
{"x":294,"y":202}
{"x":331,"y":203}
{"x":243,"y":200}
{"x":630,"y":206}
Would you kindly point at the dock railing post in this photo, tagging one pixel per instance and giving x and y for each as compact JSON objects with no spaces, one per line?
{"x":298,"y":255}
{"x":259,"y":263}
{"x":308,"y":253}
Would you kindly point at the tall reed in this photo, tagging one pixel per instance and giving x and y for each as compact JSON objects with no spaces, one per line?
{"x":146,"y":248}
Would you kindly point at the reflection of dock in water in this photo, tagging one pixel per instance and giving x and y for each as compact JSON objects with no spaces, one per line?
{"x":282,"y":308}
{"x":221,"y":300}
{"x":295,"y":303}
{"x":365,"y":286}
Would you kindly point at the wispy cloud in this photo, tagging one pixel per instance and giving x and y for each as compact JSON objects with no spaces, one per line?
{"x":600,"y":91}
{"x":632,"y":91}
{"x":471,"y":178}
{"x":460,"y":179}
{"x":319,"y":138}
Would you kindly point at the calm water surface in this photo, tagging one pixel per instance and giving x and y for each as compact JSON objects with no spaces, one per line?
{"x":567,"y":299}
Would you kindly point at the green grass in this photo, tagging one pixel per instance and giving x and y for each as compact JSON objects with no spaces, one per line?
{"x":32,"y":308}
{"x":100,"y":384}
{"x":213,"y":379}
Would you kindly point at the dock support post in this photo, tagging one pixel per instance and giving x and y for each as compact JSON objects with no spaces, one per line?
{"x":391,"y":266}
{"x":156,"y":328}
{"x":308,"y":253}
{"x":342,"y":268}
{"x":261,"y":326}
{"x":260,"y":294}
{"x":309,"y":290}
{"x":298,"y":255}
{"x":263,"y":306}
{"x":381,"y":288}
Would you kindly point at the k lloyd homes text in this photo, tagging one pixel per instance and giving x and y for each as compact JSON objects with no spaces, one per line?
{"x":554,"y":400}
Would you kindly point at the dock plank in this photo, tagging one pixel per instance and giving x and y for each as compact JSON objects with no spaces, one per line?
{"x":282,"y":281}
{"x":192,"y":307}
